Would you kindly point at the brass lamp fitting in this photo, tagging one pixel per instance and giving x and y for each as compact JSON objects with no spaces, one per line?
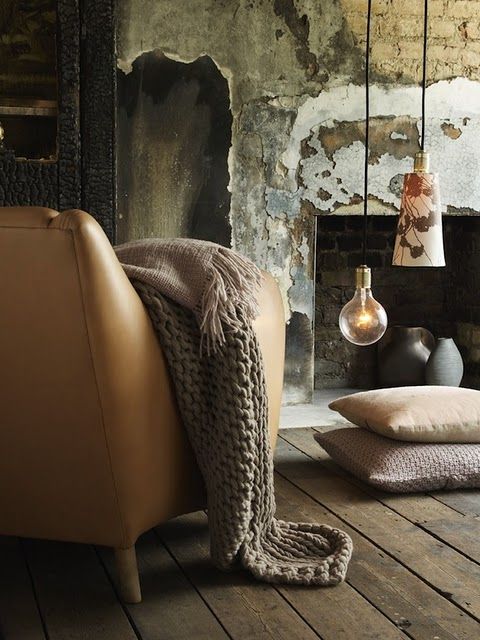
{"x":421,"y":163}
{"x":363,"y":277}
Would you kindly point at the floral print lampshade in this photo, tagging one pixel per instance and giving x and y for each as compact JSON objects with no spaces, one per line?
{"x":419,"y":241}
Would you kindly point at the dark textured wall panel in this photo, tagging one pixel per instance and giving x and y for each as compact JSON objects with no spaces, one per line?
{"x":28,"y":183}
{"x":68,"y":52}
{"x":98,"y":77}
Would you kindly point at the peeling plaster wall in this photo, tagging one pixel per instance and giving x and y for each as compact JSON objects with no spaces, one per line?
{"x":265,"y":49}
{"x":323,"y":162}
{"x":294,"y":69}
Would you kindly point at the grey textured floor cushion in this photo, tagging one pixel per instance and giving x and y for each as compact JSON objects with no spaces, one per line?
{"x":403,"y":466}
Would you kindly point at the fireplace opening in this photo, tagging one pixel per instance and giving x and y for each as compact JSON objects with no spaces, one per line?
{"x":413,"y":296}
{"x":174,"y":128}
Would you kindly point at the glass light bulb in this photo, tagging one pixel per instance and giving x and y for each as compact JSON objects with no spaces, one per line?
{"x":363,"y":320}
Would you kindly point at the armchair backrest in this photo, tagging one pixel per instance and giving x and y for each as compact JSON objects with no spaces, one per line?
{"x":86,"y":404}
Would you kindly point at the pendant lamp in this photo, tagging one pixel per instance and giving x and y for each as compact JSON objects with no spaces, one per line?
{"x":363,"y":320}
{"x":419,"y":239}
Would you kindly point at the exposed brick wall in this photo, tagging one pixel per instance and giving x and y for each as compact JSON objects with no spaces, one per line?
{"x":397,"y":28}
{"x":426,"y":297}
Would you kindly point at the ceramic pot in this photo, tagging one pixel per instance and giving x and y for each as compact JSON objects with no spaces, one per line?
{"x":402,"y":355}
{"x":445,"y":364}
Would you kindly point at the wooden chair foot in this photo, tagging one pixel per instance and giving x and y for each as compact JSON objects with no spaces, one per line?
{"x":127,"y":572}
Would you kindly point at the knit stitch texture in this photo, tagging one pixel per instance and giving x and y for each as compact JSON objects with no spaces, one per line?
{"x":223,"y":403}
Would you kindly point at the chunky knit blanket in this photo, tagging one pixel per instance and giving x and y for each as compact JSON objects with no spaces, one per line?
{"x":223,"y":403}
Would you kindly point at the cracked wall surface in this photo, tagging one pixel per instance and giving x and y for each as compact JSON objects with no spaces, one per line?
{"x":295,"y":72}
{"x":323,"y":162}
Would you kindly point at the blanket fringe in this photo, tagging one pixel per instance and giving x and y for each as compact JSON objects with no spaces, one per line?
{"x":229,"y":298}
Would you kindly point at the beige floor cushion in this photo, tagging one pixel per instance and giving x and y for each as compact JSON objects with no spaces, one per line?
{"x":403,"y":467}
{"x":416,"y":414}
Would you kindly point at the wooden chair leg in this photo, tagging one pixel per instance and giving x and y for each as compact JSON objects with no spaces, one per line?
{"x":127,"y":572}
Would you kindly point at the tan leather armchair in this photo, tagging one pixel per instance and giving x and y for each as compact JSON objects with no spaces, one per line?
{"x":92,"y":448}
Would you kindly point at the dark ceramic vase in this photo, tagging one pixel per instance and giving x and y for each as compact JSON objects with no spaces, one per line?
{"x":445,"y":364}
{"x":402,"y":355}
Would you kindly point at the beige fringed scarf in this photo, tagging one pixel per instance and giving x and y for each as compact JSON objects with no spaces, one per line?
{"x":216,"y":283}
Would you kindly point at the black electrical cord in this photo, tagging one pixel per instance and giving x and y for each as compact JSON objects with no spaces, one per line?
{"x":367,"y":131}
{"x":424,"y":76}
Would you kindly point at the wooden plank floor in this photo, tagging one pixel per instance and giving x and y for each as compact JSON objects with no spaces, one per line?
{"x":415,"y":572}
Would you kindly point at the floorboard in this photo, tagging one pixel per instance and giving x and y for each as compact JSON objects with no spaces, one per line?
{"x":410,"y":603}
{"x":247,"y":608}
{"x":447,"y":570}
{"x":76,"y":599}
{"x":250,"y":609}
{"x":19,"y":614}
{"x":460,"y":531}
{"x":414,"y":574}
{"x":465,"y":501}
{"x":171,"y":608}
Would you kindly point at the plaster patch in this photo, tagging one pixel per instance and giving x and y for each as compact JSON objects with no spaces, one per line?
{"x":282,"y":204}
{"x":301,"y":291}
{"x":450,"y":131}
{"x":304,"y":250}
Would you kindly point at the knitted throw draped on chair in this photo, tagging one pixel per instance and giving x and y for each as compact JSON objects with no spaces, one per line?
{"x":223,"y":403}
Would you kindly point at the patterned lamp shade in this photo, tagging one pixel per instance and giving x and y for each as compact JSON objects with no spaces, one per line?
{"x":419,"y":241}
